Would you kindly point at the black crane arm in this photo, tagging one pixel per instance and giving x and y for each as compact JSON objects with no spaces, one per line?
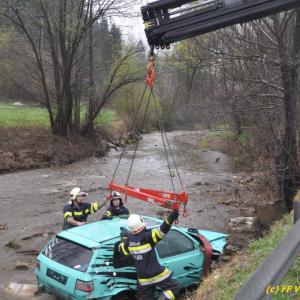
{"x":169,"y":21}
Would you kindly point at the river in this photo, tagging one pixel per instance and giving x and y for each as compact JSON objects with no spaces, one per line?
{"x":32,"y":201}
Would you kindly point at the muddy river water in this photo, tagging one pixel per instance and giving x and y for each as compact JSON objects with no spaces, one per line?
{"x":32,"y":201}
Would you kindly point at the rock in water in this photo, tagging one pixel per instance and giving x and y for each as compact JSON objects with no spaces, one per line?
{"x":20,"y":265}
{"x":21,"y":290}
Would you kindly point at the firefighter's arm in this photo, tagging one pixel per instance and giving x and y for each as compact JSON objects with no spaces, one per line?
{"x":69,"y":219}
{"x":157,"y":234}
{"x":97,"y":205}
{"x":123,"y":248}
{"x":107,"y":214}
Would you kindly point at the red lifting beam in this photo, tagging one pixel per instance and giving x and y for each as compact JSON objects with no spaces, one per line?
{"x":164,"y":199}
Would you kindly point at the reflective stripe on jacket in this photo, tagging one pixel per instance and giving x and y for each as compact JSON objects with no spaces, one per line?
{"x":113,"y":211}
{"x":142,"y":247}
{"x":79,"y":214}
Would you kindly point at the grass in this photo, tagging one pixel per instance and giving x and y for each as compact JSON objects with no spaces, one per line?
{"x":25,"y":116}
{"x":19,"y":116}
{"x":226,"y":284}
{"x":212,"y":138}
{"x":106,"y":116}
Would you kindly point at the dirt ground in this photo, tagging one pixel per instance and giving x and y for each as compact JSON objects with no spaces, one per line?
{"x":34,"y":147}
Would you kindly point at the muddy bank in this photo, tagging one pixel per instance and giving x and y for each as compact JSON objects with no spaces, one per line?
{"x":32,"y":148}
{"x":249,"y":200}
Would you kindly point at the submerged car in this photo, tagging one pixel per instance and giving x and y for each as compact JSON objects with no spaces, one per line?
{"x":83,"y":262}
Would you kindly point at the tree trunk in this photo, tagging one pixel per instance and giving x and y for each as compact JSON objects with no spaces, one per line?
{"x":288,"y":160}
{"x":89,"y":128}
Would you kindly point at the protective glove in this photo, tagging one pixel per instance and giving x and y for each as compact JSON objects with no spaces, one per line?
{"x":124,"y":233}
{"x":173,"y":216}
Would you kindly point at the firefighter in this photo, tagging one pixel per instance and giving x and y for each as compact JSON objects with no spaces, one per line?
{"x":116,"y":207}
{"x":76,"y":211}
{"x":140,"y":244}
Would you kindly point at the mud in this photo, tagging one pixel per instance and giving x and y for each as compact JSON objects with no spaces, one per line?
{"x":32,"y":201}
{"x":31,"y":148}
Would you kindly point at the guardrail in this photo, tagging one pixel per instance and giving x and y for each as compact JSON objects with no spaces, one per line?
{"x":275,"y":266}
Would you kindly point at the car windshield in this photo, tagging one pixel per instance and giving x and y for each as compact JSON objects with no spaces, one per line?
{"x":69,"y":254}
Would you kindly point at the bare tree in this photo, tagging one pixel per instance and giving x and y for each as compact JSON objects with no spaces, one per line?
{"x":56,"y":31}
{"x":248,"y":77}
{"x":120,"y":76}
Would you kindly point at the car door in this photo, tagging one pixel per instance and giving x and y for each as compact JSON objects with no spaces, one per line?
{"x":181,"y":253}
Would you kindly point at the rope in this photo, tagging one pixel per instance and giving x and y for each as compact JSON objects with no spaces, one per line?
{"x":161,"y":128}
{"x":131,"y":127}
{"x":137,"y":143}
{"x":166,"y":143}
{"x":169,"y":146}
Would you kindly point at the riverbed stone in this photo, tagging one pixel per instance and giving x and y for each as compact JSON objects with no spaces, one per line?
{"x":20,"y":265}
{"x":3,"y":227}
{"x":225,"y":257}
{"x":242,"y":221}
{"x":230,"y":250}
{"x":13,"y":245}
{"x":24,"y":291}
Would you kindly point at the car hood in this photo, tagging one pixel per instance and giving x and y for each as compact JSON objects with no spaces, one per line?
{"x":217,"y":240}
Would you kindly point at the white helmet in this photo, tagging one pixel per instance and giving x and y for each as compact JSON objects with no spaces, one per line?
{"x":76,"y":192}
{"x":115,"y":195}
{"x":135,"y":223}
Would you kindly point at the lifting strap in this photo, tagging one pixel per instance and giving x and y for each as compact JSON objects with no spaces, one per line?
{"x":170,"y":200}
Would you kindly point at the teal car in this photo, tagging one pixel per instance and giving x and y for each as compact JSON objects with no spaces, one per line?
{"x":83,"y":262}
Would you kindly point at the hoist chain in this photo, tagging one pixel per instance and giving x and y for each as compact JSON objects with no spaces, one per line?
{"x":130,"y":130}
{"x":137,"y":142}
{"x":166,"y":145}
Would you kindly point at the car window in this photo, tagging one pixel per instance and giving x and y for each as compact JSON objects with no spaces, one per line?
{"x":174,"y":243}
{"x":69,"y":254}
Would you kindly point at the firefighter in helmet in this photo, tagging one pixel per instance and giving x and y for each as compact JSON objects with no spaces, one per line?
{"x":116,"y":207}
{"x":140,"y":243}
{"x":76,"y":211}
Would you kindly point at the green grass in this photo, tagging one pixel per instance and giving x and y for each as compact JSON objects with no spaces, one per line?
{"x":106,"y":116}
{"x":236,"y":273}
{"x":222,"y":133}
{"x":210,"y":138}
{"x":19,"y":116}
{"x":24,"y":116}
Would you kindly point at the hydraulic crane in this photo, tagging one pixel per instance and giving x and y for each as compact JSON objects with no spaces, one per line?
{"x":169,"y":21}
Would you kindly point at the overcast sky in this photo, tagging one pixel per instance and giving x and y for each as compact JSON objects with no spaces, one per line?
{"x":133,"y":27}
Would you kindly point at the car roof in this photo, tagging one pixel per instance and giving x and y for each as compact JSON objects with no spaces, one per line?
{"x":91,"y":234}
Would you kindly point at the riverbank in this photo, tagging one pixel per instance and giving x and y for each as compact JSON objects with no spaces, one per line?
{"x":245,"y":195}
{"x":36,"y":147}
{"x":240,"y":204}
{"x":225,"y":282}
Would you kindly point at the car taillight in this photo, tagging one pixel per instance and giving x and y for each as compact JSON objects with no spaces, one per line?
{"x":84,"y":286}
{"x":38,"y":265}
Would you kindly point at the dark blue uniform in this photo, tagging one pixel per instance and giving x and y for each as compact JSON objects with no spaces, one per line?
{"x":115,"y":211}
{"x":79,"y":214}
{"x":150,"y":273}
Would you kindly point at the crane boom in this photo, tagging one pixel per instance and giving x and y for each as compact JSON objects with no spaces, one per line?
{"x":169,"y":21}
